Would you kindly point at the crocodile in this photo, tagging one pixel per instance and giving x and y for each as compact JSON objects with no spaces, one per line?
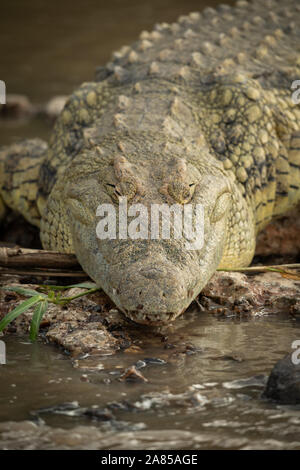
{"x":200,"y":111}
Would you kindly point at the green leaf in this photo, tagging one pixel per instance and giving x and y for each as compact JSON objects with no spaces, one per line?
{"x":22,"y":291}
{"x":38,"y":313}
{"x":18,"y":310}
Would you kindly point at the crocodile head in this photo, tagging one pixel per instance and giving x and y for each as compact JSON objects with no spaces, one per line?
{"x":152,"y":276}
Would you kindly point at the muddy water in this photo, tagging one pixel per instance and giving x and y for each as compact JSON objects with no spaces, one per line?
{"x":213,"y":388}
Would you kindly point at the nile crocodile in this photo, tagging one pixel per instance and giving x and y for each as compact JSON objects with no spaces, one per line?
{"x":199,"y":111}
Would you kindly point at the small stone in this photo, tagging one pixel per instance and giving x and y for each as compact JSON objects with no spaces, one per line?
{"x":283,"y":385}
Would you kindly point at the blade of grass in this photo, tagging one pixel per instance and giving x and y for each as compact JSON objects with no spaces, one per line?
{"x":68,"y":299}
{"x":38,"y":313}
{"x":83,"y":285}
{"x":22,"y":291}
{"x":18,"y":310}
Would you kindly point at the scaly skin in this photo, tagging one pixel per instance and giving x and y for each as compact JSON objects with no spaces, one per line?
{"x":198,"y":111}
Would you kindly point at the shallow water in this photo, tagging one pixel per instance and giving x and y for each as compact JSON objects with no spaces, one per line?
{"x":207,"y":378}
{"x":212,"y":387}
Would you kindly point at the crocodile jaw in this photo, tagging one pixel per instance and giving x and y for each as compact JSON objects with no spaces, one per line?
{"x":151,"y":282}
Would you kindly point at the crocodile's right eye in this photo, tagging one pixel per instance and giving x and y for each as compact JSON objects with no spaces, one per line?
{"x":181,"y":192}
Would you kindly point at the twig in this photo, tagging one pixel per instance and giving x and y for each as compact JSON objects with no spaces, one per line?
{"x":276,"y":268}
{"x":39,"y":272}
{"x":26,"y":258}
{"x":24,"y":261}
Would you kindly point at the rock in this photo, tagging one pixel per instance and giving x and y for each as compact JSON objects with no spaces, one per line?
{"x":283,"y":385}
{"x":16,"y":106}
{"x":260,"y":294}
{"x":54,"y":106}
{"x":132,"y":374}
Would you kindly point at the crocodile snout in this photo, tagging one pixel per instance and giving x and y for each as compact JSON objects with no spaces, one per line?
{"x":153,"y":294}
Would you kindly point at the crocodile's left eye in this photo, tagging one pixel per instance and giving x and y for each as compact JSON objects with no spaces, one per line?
{"x":181,"y":192}
{"x":221,"y":207}
{"x":126,"y":188}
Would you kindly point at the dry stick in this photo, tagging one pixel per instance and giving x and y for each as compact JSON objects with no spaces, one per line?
{"x":39,"y":272}
{"x":25,"y":261}
{"x":275,"y":267}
